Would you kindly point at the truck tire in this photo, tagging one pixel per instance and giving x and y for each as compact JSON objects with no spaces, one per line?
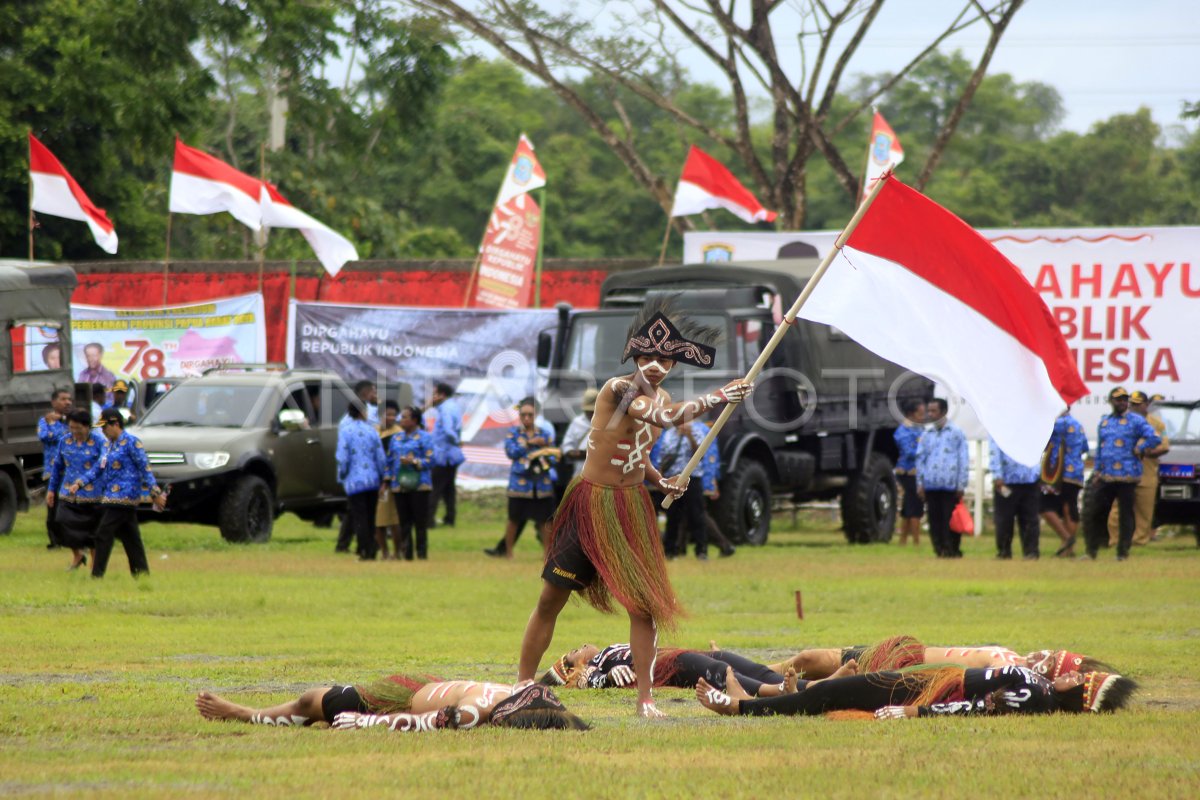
{"x":744,"y":510}
{"x":869,"y":502}
{"x":8,"y":503}
{"x":247,"y":511}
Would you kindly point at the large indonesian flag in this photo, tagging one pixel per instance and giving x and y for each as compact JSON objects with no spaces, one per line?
{"x":883,"y":152}
{"x":920,"y":287}
{"x":706,"y":183}
{"x":333,"y":250}
{"x":201,"y":184}
{"x":524,"y":173}
{"x":55,"y":192}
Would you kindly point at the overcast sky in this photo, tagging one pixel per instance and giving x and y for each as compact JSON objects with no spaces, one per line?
{"x":1105,"y":57}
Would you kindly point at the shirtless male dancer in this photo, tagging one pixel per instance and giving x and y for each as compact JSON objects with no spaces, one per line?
{"x":407,"y":705}
{"x":605,"y":542}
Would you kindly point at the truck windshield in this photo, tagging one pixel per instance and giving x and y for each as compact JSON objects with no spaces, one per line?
{"x":597,"y":341}
{"x":208,"y":405}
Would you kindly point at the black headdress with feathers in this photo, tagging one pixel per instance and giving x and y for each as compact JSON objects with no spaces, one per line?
{"x":659,"y":331}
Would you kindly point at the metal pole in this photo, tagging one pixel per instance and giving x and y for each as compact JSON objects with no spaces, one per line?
{"x":788,"y":320}
{"x":167,"y":259}
{"x":537,"y":267}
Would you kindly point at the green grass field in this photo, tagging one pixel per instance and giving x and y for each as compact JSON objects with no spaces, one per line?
{"x":97,"y":678}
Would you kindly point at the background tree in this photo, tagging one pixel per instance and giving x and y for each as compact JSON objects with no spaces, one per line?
{"x":740,"y":40}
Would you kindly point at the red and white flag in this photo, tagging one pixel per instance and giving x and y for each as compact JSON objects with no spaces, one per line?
{"x":201,"y":184}
{"x":332,"y":249}
{"x":524,"y":173}
{"x":883,"y":153}
{"x":918,"y":286}
{"x":56,"y":193}
{"x":706,"y":183}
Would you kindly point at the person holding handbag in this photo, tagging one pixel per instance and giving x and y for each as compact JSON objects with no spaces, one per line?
{"x":942,"y":464}
{"x":410,"y":457}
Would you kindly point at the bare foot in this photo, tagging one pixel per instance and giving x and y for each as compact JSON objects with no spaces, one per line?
{"x":733,"y":686}
{"x":712,"y":646}
{"x":716,"y":700}
{"x":846,"y":670}
{"x":790,"y":681}
{"x":213,"y":706}
{"x":647,"y":710}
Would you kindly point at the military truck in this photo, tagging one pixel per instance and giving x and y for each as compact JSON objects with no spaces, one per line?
{"x":35,"y":360}
{"x":820,"y":423}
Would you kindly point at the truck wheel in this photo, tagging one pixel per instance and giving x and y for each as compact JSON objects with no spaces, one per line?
{"x":744,"y":510}
{"x":247,"y":511}
{"x":869,"y":502}
{"x":8,"y":503}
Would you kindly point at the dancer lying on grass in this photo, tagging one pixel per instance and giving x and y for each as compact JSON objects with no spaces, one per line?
{"x":589,"y":667}
{"x":404,"y":704}
{"x":900,"y":652}
{"x":932,"y":691}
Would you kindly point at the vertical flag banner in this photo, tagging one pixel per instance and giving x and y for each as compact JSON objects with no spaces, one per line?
{"x":202,"y":184}
{"x":706,"y":183}
{"x":508,"y":256}
{"x":56,"y":193}
{"x":883,"y":153}
{"x":918,"y":286}
{"x":524,"y":173}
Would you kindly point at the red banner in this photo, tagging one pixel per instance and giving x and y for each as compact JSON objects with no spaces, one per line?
{"x":509,"y":255}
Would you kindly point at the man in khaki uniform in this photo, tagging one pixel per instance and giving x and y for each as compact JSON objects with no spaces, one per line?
{"x":1147,"y":489}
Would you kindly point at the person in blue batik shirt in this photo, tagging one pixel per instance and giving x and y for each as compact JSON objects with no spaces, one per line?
{"x":1062,"y":480}
{"x":410,"y":457}
{"x":52,"y":429}
{"x":907,"y":436}
{"x":361,"y":465}
{"x":123,"y":478}
{"x":76,"y":517}
{"x":447,"y":454}
{"x":1015,"y":499}
{"x":686,"y":516}
{"x":942,"y":464}
{"x":531,"y":477}
{"x":1123,"y":437}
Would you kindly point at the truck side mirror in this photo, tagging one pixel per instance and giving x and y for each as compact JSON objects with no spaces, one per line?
{"x":291,"y":419}
{"x":545,"y":347}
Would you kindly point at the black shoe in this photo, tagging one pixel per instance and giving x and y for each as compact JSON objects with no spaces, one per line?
{"x":702,"y":556}
{"x":449,"y":523}
{"x":1003,"y":556}
{"x":726,"y":552}
{"x":494,"y":552}
{"x":1122,"y":558}
{"x":53,"y":546}
{"x":1030,"y":557}
{"x":1086,"y":557}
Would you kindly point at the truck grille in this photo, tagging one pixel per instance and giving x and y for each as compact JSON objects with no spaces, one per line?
{"x":166,"y":458}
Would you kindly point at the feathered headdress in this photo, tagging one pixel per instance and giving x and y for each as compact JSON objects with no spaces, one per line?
{"x":659,"y":331}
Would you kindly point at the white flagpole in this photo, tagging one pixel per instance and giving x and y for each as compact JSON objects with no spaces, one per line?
{"x":789,"y":320}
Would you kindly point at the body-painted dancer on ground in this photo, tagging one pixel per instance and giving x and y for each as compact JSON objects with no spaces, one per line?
{"x":900,"y":652}
{"x":934,"y":691}
{"x":407,"y":705}
{"x":589,"y":667}
{"x":604,"y":543}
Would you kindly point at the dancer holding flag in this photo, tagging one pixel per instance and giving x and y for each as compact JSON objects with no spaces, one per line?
{"x":605,"y":543}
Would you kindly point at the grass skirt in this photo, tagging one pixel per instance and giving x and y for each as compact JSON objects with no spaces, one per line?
{"x":617,"y":529}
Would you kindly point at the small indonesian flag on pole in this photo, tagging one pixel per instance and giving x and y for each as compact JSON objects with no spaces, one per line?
{"x":332,"y":249}
{"x":524,"y":173}
{"x":706,"y":183}
{"x":201,"y":184}
{"x":883,"y":153}
{"x":56,"y":193}
{"x":920,"y":287}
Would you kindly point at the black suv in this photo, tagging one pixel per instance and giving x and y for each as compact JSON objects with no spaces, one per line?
{"x":1179,"y":470}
